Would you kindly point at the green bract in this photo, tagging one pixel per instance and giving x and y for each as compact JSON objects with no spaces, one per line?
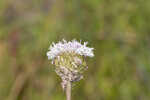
{"x":71,"y":61}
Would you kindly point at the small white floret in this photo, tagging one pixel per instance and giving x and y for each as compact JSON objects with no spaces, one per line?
{"x":70,"y":46}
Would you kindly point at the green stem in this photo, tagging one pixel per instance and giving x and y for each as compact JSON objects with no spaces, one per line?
{"x":68,"y":90}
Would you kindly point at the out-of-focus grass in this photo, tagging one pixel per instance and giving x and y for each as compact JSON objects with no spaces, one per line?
{"x":118,"y":30}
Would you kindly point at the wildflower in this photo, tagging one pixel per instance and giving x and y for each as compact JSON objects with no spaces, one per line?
{"x":69,"y":59}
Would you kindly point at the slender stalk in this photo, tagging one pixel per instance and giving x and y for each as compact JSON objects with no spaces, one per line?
{"x":68,"y":91}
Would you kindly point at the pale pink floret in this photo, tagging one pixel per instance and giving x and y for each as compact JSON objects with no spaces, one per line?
{"x":70,"y":46}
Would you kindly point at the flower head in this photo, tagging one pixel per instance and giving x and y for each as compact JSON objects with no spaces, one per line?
{"x":69,"y":59}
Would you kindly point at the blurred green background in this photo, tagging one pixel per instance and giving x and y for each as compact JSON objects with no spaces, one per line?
{"x":117,"y":29}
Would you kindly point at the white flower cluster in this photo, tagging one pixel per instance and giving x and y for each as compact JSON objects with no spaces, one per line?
{"x":68,"y":57}
{"x":71,"y":46}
